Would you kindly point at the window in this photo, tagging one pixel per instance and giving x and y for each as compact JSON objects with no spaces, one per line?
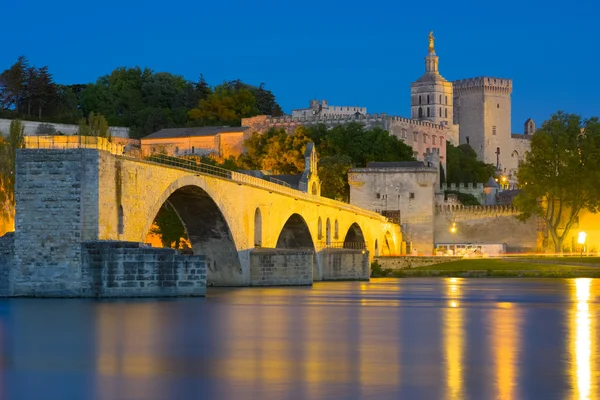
{"x":416,"y":136}
{"x":428,"y":112}
{"x":419,"y":100}
{"x":424,"y":138}
{"x":411,"y":195}
{"x":446,"y":113}
{"x":498,"y":105}
{"x":446,"y":99}
{"x":440,"y":99}
{"x":420,"y":112}
{"x":377,"y":195}
{"x":467,"y":139}
{"x":320,"y":229}
{"x":403,"y":133}
{"x":336,"y":230}
{"x":440,"y":111}
{"x":493,"y":130}
{"x":433,"y":139}
{"x":384,"y":197}
{"x":427,"y":99}
{"x":193,"y":150}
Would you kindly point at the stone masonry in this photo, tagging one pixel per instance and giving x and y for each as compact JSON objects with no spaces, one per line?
{"x":6,"y":263}
{"x":128,"y":269}
{"x":269,"y":267}
{"x":345,"y":264}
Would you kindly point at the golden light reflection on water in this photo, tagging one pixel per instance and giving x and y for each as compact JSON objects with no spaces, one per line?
{"x":454,"y":332}
{"x":124,"y":339}
{"x":582,"y":341}
{"x":506,"y":341}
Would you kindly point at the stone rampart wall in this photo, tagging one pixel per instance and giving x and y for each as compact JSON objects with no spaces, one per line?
{"x":344,"y":264}
{"x":271,"y":267}
{"x":126,"y":269}
{"x":404,"y":262}
{"x":6,"y":263}
{"x":67,"y":129}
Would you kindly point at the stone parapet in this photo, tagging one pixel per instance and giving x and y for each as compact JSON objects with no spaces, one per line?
{"x":7,"y":243}
{"x":129,"y":269}
{"x":405,"y":262}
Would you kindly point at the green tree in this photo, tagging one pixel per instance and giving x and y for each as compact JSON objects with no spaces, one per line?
{"x":224,"y":107}
{"x":275,"y":151}
{"x":8,"y":157}
{"x":13,"y":82}
{"x":94,"y":125}
{"x":169,"y":227}
{"x":463,"y":167}
{"x":560,"y":175}
{"x":333,"y":172}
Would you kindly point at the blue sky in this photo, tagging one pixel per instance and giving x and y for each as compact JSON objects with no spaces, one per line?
{"x":362,"y":53}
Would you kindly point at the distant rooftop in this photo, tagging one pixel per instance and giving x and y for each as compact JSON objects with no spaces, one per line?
{"x":195,"y":131}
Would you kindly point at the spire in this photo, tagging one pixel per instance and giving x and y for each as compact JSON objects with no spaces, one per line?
{"x":431,"y":61}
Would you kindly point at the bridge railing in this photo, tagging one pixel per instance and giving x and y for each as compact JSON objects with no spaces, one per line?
{"x":343,"y":245}
{"x":274,"y":184}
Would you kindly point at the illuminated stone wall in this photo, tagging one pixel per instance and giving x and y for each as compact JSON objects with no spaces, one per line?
{"x":270,"y":267}
{"x":345,"y":264}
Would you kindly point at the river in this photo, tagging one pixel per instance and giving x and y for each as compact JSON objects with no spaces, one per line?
{"x":385,"y":339}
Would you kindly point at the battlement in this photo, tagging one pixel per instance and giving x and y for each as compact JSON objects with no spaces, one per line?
{"x":463,"y":186}
{"x":484,"y":83}
{"x":460,"y":212}
{"x":416,"y":122}
{"x":329,"y":118}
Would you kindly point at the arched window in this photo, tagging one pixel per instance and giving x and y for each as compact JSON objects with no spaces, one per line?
{"x":328,"y":233}
{"x":433,"y":139}
{"x":419,"y":100}
{"x":376,"y":249}
{"x":336,"y":233}
{"x":416,"y":136}
{"x":420,"y":112}
{"x":440,"y":99}
{"x":320,"y":229}
{"x":424,"y":138}
{"x":314,"y":188}
{"x":427,"y":99}
{"x":428,"y":112}
{"x":446,"y":99}
{"x":440,"y":111}
{"x":446,"y":113}
{"x":257,"y":228}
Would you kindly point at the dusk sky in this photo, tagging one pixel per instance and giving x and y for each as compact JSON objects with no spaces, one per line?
{"x":355,"y":53}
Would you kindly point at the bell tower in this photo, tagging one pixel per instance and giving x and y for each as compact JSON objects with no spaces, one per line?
{"x":431,"y":94}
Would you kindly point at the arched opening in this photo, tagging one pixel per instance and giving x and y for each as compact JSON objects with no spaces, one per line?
{"x":376,"y":249}
{"x":388,"y":242}
{"x":257,"y":228}
{"x":354,"y":238}
{"x":420,"y":112}
{"x":121,"y":221}
{"x":328,"y":233}
{"x":320,"y":229}
{"x":314,"y":188}
{"x":295,"y":234}
{"x":336,"y":231}
{"x":190,"y":218}
{"x":428,"y":111}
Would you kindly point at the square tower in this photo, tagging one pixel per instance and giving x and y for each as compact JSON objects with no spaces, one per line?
{"x":482,"y":108}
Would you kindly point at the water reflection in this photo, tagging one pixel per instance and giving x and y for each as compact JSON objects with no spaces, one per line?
{"x":582,"y":342}
{"x":506,"y":340}
{"x":454,"y":333}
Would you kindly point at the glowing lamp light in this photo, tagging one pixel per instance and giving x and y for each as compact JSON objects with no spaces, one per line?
{"x":581,"y":238}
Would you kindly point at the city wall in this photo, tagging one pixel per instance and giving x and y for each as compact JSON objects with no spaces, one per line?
{"x":486,"y":224}
{"x":30,"y":128}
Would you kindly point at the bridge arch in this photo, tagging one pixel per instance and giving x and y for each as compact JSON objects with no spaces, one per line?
{"x":355,"y":239}
{"x":295,"y":234}
{"x":207,"y":225}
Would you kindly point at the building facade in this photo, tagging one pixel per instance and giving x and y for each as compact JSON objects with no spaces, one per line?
{"x":323,"y":109}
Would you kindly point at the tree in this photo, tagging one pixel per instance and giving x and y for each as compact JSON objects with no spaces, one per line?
{"x":94,"y":125}
{"x":169,"y":227}
{"x":224,"y":107}
{"x":333,"y":173}
{"x":8,"y":157}
{"x":560,"y":175}
{"x":463,"y":167}
{"x":12,"y":85}
{"x":45,"y":129}
{"x":275,"y":151}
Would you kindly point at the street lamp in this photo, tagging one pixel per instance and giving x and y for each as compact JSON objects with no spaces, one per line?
{"x":581,"y":241}
{"x":453,"y":231}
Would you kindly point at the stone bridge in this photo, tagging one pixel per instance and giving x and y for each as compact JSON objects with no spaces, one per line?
{"x":65,"y":197}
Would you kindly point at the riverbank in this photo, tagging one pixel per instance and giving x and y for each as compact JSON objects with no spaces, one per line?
{"x":480,"y":268}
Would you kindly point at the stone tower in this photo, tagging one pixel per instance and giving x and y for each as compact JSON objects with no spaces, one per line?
{"x":483,"y":110}
{"x":431,"y":94}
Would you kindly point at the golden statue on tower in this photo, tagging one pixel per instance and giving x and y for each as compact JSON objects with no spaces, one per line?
{"x":431,"y":40}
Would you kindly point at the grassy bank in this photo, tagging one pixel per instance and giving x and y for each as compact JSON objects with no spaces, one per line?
{"x":490,"y":268}
{"x":554,"y":259}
